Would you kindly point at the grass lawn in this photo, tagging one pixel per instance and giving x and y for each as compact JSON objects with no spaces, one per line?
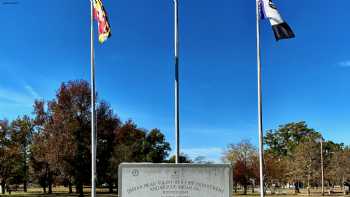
{"x":32,"y":194}
{"x":63,"y":192}
{"x":58,"y":191}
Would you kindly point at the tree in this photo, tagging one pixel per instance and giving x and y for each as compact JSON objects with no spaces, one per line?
{"x":22,"y":133}
{"x":42,"y":169}
{"x":286,"y":138}
{"x":336,"y":163}
{"x":130,"y":144}
{"x":156,"y":148}
{"x":108,"y":125}
{"x":7,"y":154}
{"x":128,"y":148}
{"x":298,"y":147}
{"x":345,"y":165}
{"x":138,"y":145}
{"x":243,"y":156}
{"x":288,"y":143}
{"x":54,"y":149}
{"x":64,"y":131}
{"x":67,"y":121}
{"x":3,"y":150}
{"x":183,"y":158}
{"x":54,"y":146}
{"x":305,"y":163}
{"x":276,"y":170}
{"x":10,"y":157}
{"x":201,"y":160}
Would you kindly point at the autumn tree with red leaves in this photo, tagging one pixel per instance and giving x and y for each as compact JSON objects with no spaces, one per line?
{"x":244,"y":158}
{"x":61,"y":151}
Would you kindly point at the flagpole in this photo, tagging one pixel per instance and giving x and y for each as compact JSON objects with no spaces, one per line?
{"x":93,"y":110}
{"x":177,"y":103}
{"x":260,"y":114}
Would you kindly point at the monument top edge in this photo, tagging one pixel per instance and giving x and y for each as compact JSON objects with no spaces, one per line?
{"x":172,"y":165}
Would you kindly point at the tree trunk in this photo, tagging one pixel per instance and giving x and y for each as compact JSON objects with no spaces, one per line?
{"x":44,"y":188}
{"x":245,"y":188}
{"x":50,"y":182}
{"x":110,"y":186}
{"x":25,"y":186}
{"x":70,"y":187}
{"x":3,"y":187}
{"x":25,"y":182}
{"x":296,"y":186}
{"x":308,"y":185}
{"x":8,"y":189}
{"x":50,"y":188}
{"x":79,"y":190}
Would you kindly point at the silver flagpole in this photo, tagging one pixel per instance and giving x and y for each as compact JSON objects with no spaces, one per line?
{"x":177,"y":103}
{"x":260,"y":114}
{"x":93,"y":110}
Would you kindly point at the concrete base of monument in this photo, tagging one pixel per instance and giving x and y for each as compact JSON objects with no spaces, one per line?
{"x":174,"y":180}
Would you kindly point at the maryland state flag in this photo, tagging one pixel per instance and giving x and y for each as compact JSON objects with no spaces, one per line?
{"x":280,"y":27}
{"x":100,"y":15}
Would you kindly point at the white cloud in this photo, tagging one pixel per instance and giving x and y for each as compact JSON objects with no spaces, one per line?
{"x":15,"y":97}
{"x":31,"y":91}
{"x":344,"y":63}
{"x":212,"y":154}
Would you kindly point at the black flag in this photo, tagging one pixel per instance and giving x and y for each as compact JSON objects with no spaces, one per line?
{"x":280,"y":27}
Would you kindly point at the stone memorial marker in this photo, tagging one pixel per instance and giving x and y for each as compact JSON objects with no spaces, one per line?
{"x":174,"y":180}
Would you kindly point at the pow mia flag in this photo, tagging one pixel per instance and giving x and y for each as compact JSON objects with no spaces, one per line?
{"x":280,"y":28}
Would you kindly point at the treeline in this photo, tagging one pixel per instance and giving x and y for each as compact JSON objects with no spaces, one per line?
{"x":52,"y":146}
{"x":292,"y":160}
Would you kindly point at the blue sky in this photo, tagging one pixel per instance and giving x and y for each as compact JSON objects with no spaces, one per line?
{"x":44,"y":43}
